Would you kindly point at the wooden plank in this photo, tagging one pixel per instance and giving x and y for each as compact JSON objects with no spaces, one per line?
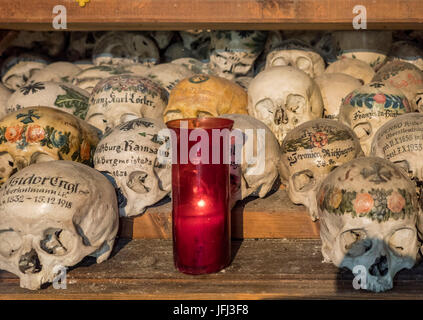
{"x":263,"y":269}
{"x":213,"y":14}
{"x":273,"y":217}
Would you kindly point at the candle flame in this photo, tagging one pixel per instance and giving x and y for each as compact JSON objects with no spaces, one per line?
{"x":201,"y":203}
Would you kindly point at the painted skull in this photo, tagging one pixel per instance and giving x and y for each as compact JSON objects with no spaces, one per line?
{"x":57,"y":72}
{"x":205,"y":96}
{"x":283,"y":97}
{"x":310,"y":152}
{"x":62,"y":96}
{"x":39,"y":134}
{"x":122,"y":98}
{"x":368,"y":211}
{"x":367,"y":108}
{"x":55,"y":214}
{"x":354,"y":68}
{"x":168,"y":75}
{"x":197,"y":43}
{"x":233,"y":53}
{"x":129,"y":154}
{"x":297,"y":54}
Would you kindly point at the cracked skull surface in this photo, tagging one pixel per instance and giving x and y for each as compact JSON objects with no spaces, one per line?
{"x":310,"y":152}
{"x":368,"y":212}
{"x":283,"y":97}
{"x":53,"y":215}
{"x":129,"y":154}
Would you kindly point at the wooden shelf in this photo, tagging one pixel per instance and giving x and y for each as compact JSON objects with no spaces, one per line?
{"x":213,"y":14}
{"x":262,"y":269}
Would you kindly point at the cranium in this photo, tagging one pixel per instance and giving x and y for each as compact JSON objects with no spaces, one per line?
{"x":81,"y":44}
{"x":297,"y":54}
{"x":205,"y":96}
{"x":57,"y":72}
{"x":233,"y":53}
{"x":57,"y":214}
{"x":310,"y":152}
{"x":122,"y":98}
{"x":368,"y":211}
{"x":284,"y":97}
{"x":354,"y":68}
{"x":63,"y":96}
{"x":39,"y":134}
{"x":197,"y":42}
{"x":367,"y":108}
{"x":168,"y":75}
{"x":125,"y":48}
{"x":162,"y":38}
{"x":334,"y":87}
{"x":129,"y":154}
{"x":407,"y":51}
{"x":404,"y":76}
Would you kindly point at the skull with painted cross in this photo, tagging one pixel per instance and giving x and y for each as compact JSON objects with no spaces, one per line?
{"x":368,"y":211}
{"x":52,"y":215}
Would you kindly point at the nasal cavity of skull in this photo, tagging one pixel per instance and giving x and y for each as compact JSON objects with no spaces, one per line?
{"x":303,"y":180}
{"x":30,"y":263}
{"x":137,"y":182}
{"x":54,"y":242}
{"x":363,"y":130}
{"x":380,"y":267}
{"x":355,"y":242}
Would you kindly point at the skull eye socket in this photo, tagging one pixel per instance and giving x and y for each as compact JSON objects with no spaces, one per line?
{"x":295,"y":103}
{"x":138,"y":181}
{"x":279,"y":61}
{"x":57,"y":241}
{"x":10,"y":242}
{"x":354,"y":243}
{"x":265,"y":109}
{"x":98,"y":120}
{"x":303,"y":63}
{"x":363,"y":130}
{"x":173,"y":115}
{"x":400,"y":242}
{"x":7,"y":166}
{"x":303,"y":181}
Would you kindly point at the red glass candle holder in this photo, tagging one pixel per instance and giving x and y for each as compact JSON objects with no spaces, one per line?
{"x":201,"y":194}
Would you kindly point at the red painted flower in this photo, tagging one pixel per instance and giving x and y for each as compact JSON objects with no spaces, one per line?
{"x":396,"y":202}
{"x":363,"y":203}
{"x":34,"y":133}
{"x":14,"y":133}
{"x":347,"y":100}
{"x":319,"y":139}
{"x":379,"y":98}
{"x":85,"y":150}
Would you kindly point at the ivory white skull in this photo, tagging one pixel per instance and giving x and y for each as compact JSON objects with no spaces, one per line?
{"x":404,"y":76}
{"x":129,"y":154}
{"x":39,"y":134}
{"x":168,"y":75}
{"x":368,"y":211}
{"x":205,"y":96}
{"x":52,"y":216}
{"x":297,"y":54}
{"x":258,"y":171}
{"x":4,"y":96}
{"x":334,"y":87}
{"x":124,"y":48}
{"x":64,"y":96}
{"x":352,"y":67}
{"x":371,"y":47}
{"x":51,"y":43}
{"x":407,"y":51}
{"x":197,"y":42}
{"x":310,"y":152}
{"x":16,"y":71}
{"x":283,"y":97}
{"x":233,"y":53}
{"x":57,"y":72}
{"x":122,"y":98}
{"x":367,"y":108}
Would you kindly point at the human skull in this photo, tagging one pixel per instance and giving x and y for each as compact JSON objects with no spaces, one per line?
{"x":168,"y":75}
{"x":4,"y":96}
{"x":16,"y":71}
{"x":258,"y":171}
{"x":283,"y":97}
{"x":367,"y":108}
{"x":194,"y":65}
{"x":162,"y":38}
{"x":51,"y":43}
{"x":129,"y":154}
{"x":244,"y":82}
{"x":197,"y":42}
{"x":177,"y":51}
{"x":122,"y":98}
{"x":64,"y":96}
{"x":57,"y":72}
{"x":310,"y":152}
{"x":354,"y":68}
{"x":39,"y":134}
{"x":233,"y":53}
{"x":297,"y":54}
{"x":371,"y":47}
{"x":205,"y":96}
{"x":124,"y":48}
{"x":53,"y":215}
{"x":404,"y":76}
{"x":407,"y":51}
{"x":334,"y":87}
{"x":368,"y":211}
{"x":81,"y":44}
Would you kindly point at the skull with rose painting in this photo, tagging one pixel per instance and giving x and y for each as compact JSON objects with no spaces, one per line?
{"x":310,"y":152}
{"x":367,"y":108}
{"x":38,"y":134}
{"x":368,"y":211}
